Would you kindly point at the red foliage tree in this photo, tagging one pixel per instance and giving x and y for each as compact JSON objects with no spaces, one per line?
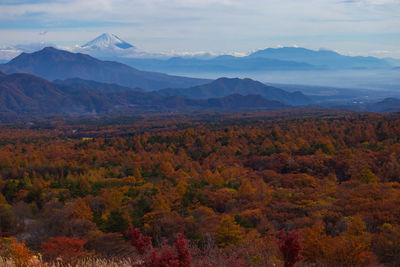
{"x":290,"y":247}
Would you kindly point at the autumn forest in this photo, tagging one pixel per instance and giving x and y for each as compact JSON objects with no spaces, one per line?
{"x":245,"y":189}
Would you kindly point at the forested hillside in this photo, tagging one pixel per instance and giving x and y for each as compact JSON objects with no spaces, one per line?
{"x":215,"y":190}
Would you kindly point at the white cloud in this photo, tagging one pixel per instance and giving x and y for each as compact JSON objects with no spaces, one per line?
{"x":214,"y":25}
{"x":7,"y":54}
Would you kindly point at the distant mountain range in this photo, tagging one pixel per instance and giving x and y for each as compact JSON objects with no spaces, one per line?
{"x":321,"y":58}
{"x":25,"y":94}
{"x":51,"y":64}
{"x":226,"y":64}
{"x":79,"y":70}
{"x":111,"y":47}
{"x":271,"y":59}
{"x":284,"y":58}
{"x":84,"y":85}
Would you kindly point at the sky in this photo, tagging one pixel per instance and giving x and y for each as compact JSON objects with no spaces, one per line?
{"x":351,"y":27}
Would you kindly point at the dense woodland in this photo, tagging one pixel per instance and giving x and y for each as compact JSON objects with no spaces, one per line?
{"x":315,"y":189}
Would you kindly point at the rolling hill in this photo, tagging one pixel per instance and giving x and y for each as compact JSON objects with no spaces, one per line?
{"x":25,"y":94}
{"x":225,"y":86}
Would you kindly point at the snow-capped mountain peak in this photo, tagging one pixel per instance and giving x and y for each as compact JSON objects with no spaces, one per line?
{"x":106,"y":41}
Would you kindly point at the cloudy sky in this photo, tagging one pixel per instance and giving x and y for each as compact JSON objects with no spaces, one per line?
{"x":355,"y":27}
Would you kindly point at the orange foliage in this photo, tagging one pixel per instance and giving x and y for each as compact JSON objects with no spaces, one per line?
{"x":333,"y":176}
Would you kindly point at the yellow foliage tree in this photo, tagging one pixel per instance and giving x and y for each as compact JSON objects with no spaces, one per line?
{"x":82,"y":210}
{"x":2,"y":199}
{"x":181,"y":188}
{"x":161,"y":203}
{"x":228,"y":233}
{"x":356,"y":227}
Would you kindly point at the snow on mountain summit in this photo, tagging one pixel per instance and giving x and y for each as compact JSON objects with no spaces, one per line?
{"x":107,"y":41}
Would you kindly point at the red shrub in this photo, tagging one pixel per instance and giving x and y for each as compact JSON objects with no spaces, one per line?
{"x":140,"y":242}
{"x":68,"y":249}
{"x":165,"y":256}
{"x":162,"y":257}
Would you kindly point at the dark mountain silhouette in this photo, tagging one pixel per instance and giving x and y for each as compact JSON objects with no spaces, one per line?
{"x":24,"y":93}
{"x":225,"y":86}
{"x":51,"y":64}
{"x":30,"y":95}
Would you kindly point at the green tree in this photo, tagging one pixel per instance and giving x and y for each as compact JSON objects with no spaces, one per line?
{"x":116,"y":222}
{"x":368,"y":177}
{"x":6,"y":218}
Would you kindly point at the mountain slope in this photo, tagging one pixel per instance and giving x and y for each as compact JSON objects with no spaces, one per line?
{"x":51,"y":64}
{"x":77,"y":82}
{"x":224,"y":86}
{"x":24,"y":93}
